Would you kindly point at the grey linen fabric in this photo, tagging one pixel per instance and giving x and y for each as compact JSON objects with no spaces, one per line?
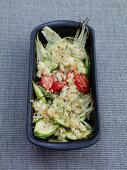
{"x":109,"y":20}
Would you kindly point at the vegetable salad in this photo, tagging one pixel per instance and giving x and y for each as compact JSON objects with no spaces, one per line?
{"x":63,"y":101}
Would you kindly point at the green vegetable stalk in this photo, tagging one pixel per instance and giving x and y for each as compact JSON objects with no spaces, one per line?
{"x":39,"y":93}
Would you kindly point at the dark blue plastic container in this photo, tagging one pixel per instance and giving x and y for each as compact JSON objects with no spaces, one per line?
{"x":64,"y":28}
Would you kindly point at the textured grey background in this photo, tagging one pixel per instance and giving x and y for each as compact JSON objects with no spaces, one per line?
{"x":109,"y":20}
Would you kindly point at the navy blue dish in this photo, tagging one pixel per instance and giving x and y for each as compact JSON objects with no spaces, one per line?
{"x":64,"y":28}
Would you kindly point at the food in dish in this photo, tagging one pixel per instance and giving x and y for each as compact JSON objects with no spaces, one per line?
{"x":63,"y":101}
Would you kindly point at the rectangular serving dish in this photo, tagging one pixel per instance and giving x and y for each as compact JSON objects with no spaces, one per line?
{"x":63,"y":28}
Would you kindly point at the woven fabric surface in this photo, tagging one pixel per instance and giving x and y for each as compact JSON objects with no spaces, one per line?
{"x":109,"y":20}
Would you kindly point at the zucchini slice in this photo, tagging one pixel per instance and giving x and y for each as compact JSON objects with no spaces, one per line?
{"x":43,"y":130}
{"x":88,"y":134}
{"x":61,"y":122}
{"x":71,"y":136}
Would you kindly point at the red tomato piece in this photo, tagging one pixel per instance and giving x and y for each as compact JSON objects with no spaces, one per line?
{"x":82,"y":83}
{"x":46,"y":82}
{"x":57,"y":86}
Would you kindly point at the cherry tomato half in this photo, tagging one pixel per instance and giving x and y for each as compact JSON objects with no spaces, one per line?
{"x":46,"y":82}
{"x":82,"y":83}
{"x":57,"y":86}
